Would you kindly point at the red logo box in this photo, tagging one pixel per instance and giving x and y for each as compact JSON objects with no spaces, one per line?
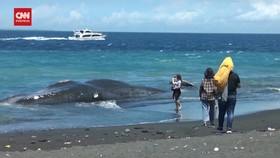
{"x":22,"y":16}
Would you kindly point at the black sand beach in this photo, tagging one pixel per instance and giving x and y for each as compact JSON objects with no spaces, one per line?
{"x":255,"y":135}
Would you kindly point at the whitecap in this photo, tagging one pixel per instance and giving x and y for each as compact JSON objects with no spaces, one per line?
{"x":41,"y":38}
{"x":239,"y":52}
{"x":229,"y":51}
{"x":274,"y":89}
{"x":195,"y":57}
{"x":9,"y":39}
{"x":192,"y":54}
{"x":35,"y":38}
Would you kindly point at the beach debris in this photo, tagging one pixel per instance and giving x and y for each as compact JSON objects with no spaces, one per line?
{"x":86,"y":136}
{"x":241,"y":148}
{"x":185,"y":146}
{"x":216,"y":149}
{"x":101,"y":155}
{"x":8,"y":146}
{"x":271,"y":129}
{"x":67,"y":143}
{"x":127,"y":130}
{"x":138,"y":127}
{"x":116,"y":133}
{"x":25,"y":148}
{"x":43,"y":140}
{"x":159,"y":132}
{"x":168,"y":137}
{"x":34,"y":137}
{"x":8,"y":155}
{"x":39,"y":149}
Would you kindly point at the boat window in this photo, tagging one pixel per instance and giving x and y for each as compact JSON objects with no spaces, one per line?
{"x":86,"y":36}
{"x":82,"y":31}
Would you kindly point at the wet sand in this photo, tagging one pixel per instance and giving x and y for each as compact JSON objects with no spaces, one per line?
{"x":255,"y":135}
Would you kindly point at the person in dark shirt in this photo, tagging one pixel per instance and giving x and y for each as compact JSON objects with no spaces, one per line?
{"x":227,"y":105}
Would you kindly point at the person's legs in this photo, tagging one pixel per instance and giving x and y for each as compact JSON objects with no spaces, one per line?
{"x":177,"y":104}
{"x":222,"y":112}
{"x":176,"y":96}
{"x":212,"y":111}
{"x":230,"y":111}
{"x":205,"y":112}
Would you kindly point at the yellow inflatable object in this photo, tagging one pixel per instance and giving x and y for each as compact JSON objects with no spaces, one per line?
{"x":221,"y":77}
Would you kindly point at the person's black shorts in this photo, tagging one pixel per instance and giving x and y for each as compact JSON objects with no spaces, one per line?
{"x":176,"y":94}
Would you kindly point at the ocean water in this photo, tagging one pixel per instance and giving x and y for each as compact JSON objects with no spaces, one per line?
{"x":32,"y":60}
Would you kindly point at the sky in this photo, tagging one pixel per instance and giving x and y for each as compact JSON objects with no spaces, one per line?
{"x":182,"y":16}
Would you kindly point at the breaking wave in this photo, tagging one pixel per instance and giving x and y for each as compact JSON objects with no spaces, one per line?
{"x":110,"y":104}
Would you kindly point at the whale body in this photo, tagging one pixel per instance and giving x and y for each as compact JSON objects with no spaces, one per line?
{"x":91,"y":91}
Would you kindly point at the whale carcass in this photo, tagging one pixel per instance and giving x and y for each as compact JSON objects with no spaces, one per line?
{"x":91,"y":91}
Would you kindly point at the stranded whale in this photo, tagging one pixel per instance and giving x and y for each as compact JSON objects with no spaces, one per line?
{"x":90,"y":91}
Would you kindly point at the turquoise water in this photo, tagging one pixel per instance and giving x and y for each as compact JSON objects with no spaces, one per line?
{"x":30,"y":64}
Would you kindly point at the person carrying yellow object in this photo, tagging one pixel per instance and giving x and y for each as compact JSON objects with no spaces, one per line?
{"x":228,"y":94}
{"x":221,"y":77}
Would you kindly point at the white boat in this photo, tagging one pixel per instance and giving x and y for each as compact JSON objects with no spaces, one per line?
{"x":87,"y":34}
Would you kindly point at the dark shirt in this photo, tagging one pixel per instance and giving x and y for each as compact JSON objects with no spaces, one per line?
{"x":233,"y":81}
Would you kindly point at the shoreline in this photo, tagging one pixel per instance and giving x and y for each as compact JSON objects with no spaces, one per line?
{"x":67,"y":138}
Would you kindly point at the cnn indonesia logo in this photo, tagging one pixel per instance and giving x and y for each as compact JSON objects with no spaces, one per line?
{"x":22,"y":16}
